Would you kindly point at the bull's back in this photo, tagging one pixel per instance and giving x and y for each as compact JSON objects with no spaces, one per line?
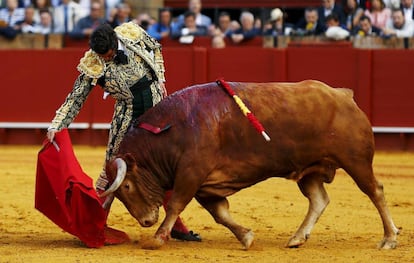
{"x":308,"y":109}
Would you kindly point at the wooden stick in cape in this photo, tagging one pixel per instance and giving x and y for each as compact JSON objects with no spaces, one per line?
{"x":246,"y":112}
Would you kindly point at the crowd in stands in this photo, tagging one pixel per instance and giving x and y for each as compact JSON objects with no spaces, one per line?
{"x":333,"y":19}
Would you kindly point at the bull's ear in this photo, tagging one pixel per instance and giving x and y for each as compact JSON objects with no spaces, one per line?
{"x":130,"y":160}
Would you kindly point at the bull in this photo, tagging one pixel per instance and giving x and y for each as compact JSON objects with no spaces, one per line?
{"x":211,"y":151}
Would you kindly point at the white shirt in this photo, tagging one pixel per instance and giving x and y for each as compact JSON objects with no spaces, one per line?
{"x":109,"y":5}
{"x":406,"y":31}
{"x":74,"y":14}
{"x":408,"y":13}
{"x":327,"y":12}
{"x":11,"y":19}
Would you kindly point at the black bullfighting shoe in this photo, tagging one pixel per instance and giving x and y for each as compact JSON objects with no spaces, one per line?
{"x":190,"y":236}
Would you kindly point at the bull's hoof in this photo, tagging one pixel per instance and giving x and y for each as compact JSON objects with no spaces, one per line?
{"x":152,"y":243}
{"x":296,"y":242}
{"x":387,"y":244}
{"x":247,"y":240}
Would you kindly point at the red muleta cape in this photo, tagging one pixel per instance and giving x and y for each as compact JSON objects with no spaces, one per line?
{"x":65,"y":194}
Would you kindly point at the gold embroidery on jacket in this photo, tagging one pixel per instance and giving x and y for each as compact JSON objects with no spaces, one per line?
{"x":92,"y":66}
{"x":129,"y":32}
{"x":73,"y":103}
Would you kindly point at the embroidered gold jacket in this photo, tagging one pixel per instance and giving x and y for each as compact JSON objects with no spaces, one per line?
{"x":144,"y":59}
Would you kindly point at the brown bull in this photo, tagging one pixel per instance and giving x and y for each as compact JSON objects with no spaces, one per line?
{"x":212,"y":151}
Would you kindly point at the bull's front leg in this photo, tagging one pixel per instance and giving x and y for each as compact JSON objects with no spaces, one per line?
{"x":179,"y":200}
{"x":163,"y":233}
{"x":219,"y":209}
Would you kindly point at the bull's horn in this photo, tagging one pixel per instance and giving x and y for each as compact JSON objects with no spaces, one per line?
{"x":120,"y":176}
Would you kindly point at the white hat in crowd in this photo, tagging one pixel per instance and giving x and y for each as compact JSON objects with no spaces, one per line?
{"x":276,"y":14}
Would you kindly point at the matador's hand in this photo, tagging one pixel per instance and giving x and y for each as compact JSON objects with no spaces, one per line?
{"x":163,"y":89}
{"x":51,"y":134}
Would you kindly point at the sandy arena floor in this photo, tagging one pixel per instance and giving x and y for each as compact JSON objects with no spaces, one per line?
{"x":348,"y":231}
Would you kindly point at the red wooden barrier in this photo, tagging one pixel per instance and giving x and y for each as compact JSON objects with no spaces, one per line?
{"x":393,"y":94}
{"x":35,"y":83}
{"x":247,"y":64}
{"x":335,"y":66}
{"x":363,"y":88}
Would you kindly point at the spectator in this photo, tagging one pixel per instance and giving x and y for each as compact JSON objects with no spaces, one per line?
{"x":28,"y":23}
{"x":399,"y":26}
{"x":85,"y":5}
{"x":66,"y":16}
{"x":45,"y":25}
{"x":378,"y":13}
{"x":224,"y":22}
{"x":144,"y":20}
{"x":234,"y":25}
{"x":217,"y":41}
{"x":122,"y":15}
{"x":41,"y":5}
{"x":276,"y":25}
{"x":189,"y":28}
{"x":334,"y":30}
{"x":246,"y":31}
{"x":223,"y":25}
{"x":201,"y":20}
{"x":391,"y":4}
{"x":162,"y":28}
{"x":328,"y":7}
{"x":258,"y":23}
{"x":11,"y":13}
{"x":365,"y":28}
{"x":87,"y":24}
{"x":110,"y":8}
{"x":9,"y":16}
{"x":408,"y":8}
{"x":309,"y":25}
{"x":332,"y":20}
{"x":353,"y":13}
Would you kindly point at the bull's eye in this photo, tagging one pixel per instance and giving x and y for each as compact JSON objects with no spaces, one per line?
{"x":126,"y":187}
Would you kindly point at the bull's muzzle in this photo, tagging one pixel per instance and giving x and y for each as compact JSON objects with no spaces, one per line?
{"x":149,"y":219}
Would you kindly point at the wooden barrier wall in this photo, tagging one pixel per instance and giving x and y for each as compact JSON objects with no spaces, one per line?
{"x":35,"y":83}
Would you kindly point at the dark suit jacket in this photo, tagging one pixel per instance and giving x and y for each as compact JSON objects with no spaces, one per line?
{"x":337,"y":9}
{"x":246,"y":34}
{"x":201,"y":31}
{"x":300,"y":28}
{"x":375,"y":31}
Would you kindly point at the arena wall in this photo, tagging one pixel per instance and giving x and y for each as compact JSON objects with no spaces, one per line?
{"x":35,"y":83}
